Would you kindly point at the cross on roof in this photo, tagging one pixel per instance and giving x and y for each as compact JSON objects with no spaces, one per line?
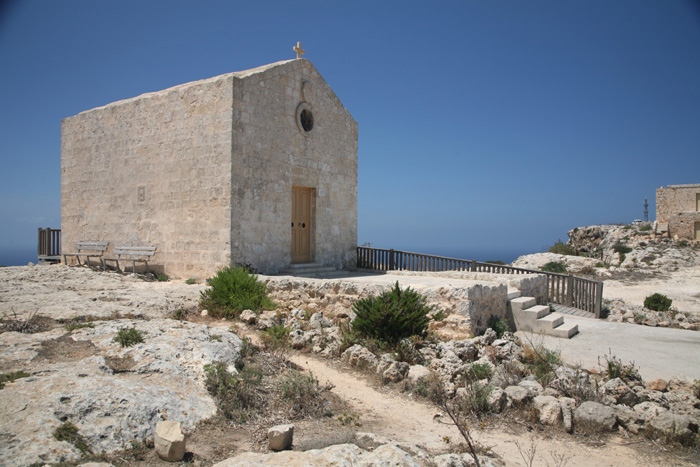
{"x":299,"y":50}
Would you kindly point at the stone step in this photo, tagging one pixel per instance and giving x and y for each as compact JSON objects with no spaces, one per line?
{"x":552,"y":320}
{"x":565,"y":330}
{"x":514,"y":293}
{"x":537,"y":311}
{"x":522,"y":303}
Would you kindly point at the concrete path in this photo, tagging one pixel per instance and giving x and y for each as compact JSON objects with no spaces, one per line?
{"x":656,"y":352}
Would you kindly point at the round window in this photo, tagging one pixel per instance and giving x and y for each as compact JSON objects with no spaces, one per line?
{"x":305,"y":118}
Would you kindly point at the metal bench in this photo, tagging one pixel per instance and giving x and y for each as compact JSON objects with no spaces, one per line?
{"x":140,"y":254}
{"x":88,"y":250}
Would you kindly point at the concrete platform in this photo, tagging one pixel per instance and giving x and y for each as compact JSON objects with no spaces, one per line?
{"x":656,"y":352}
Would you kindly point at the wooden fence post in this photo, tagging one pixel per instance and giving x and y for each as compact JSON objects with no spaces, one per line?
{"x":598,"y":299}
{"x":570,"y":291}
{"x":392,"y":260}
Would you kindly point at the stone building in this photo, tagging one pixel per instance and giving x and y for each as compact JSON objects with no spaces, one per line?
{"x":255,"y":167}
{"x":678,"y":211}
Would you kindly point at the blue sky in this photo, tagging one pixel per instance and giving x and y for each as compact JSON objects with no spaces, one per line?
{"x":485,"y":126}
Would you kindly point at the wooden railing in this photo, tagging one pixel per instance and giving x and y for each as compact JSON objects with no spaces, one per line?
{"x":564,"y":289}
{"x":49,"y":244}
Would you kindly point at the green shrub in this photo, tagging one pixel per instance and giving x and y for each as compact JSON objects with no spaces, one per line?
{"x":235,"y":394}
{"x":393,"y":315}
{"x":614,"y":368}
{"x":9,"y":377}
{"x":622,"y":249}
{"x":73,"y":326}
{"x":477,"y":401}
{"x":683,"y":243}
{"x":479,"y":371}
{"x":276,"y":337}
{"x":499,"y":325}
{"x":162,"y":277}
{"x":645,"y":228}
{"x":541,"y":361}
{"x":191,"y":281}
{"x":233,"y":290}
{"x":69,"y":433}
{"x":657,"y":302}
{"x":555,"y":267}
{"x":407,"y":351}
{"x":562,"y":248}
{"x":128,"y":337}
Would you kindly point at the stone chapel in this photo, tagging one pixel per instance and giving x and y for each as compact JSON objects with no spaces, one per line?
{"x":255,"y":167}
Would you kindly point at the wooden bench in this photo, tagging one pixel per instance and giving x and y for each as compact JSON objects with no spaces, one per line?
{"x":140,"y":254}
{"x":88,"y":250}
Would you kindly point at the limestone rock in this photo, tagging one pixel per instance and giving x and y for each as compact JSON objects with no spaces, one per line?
{"x":114,"y":395}
{"x":248,"y":316}
{"x":548,"y":410}
{"x":533,"y":387}
{"x":567,"y":413}
{"x":359,"y":357}
{"x":518,"y":395}
{"x":169,"y":442}
{"x":497,"y":400}
{"x":317,"y":321}
{"x":386,"y":455}
{"x":417,"y":374}
{"x":620,"y":392}
{"x":597,"y":414}
{"x":280,"y":437}
{"x":396,"y":372}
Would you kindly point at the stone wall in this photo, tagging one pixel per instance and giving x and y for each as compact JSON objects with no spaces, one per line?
{"x":677,"y":205}
{"x":154,"y":170}
{"x":468,"y":308}
{"x":272,"y":153}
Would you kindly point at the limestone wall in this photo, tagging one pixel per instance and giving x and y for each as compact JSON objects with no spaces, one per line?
{"x":154,"y":170}
{"x":468,"y":308}
{"x":678,"y":206}
{"x":271,"y":153}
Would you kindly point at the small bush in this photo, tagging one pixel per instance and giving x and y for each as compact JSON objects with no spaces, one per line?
{"x":276,"y":337}
{"x":479,"y":371}
{"x":541,"y":361}
{"x":191,"y":281}
{"x":657,"y":302}
{"x":683,"y":243}
{"x":69,"y":433}
{"x":639,"y":318}
{"x":73,"y":326}
{"x":10,"y":377}
{"x":233,"y":290}
{"x":162,"y":278}
{"x":393,"y":315}
{"x":302,"y":392}
{"x":234,"y":393}
{"x":614,"y":368}
{"x":622,"y":249}
{"x":645,"y":228}
{"x":499,"y":325}
{"x":562,"y":248}
{"x":555,"y":267}
{"x":477,"y":401}
{"x":128,"y":337}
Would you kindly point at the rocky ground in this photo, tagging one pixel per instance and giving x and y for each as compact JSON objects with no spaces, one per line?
{"x":634,"y":264}
{"x":58,"y":341}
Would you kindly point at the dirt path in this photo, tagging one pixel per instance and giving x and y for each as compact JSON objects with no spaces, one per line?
{"x":404,"y":419}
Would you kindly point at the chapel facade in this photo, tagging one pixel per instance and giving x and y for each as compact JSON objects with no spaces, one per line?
{"x":257,"y":167}
{"x":678,"y":211}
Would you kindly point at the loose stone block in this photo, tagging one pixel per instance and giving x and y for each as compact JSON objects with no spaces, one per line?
{"x":169,"y":441}
{"x":280,"y":437}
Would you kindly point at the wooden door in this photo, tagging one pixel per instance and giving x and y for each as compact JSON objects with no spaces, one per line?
{"x":301,"y":224}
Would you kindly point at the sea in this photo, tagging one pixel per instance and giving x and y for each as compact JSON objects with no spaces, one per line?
{"x":22,"y":256}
